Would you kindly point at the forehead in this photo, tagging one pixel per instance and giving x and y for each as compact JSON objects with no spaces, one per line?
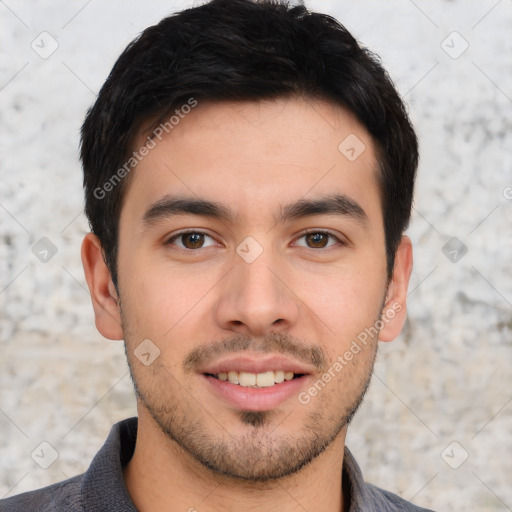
{"x":252,"y":154}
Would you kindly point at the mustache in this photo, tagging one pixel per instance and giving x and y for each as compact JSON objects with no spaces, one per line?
{"x":273,"y":343}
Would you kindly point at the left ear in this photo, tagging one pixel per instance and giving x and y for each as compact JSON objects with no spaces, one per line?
{"x":395,"y":311}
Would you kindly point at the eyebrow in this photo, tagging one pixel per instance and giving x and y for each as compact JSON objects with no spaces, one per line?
{"x":170,"y":205}
{"x":336,"y":204}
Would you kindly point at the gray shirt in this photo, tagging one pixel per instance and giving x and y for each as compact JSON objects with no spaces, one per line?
{"x":102,"y":489}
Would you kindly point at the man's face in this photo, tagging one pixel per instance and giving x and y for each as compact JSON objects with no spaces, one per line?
{"x":262,"y":282}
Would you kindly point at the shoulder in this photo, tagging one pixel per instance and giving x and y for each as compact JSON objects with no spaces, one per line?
{"x":63,"y":496}
{"x":368,"y":497}
{"x":387,"y":501}
{"x":87,"y":491}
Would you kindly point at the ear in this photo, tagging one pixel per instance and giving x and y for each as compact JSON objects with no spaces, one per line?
{"x":103,"y":293}
{"x":395,"y":311}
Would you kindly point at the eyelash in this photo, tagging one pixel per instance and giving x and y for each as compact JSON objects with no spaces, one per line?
{"x":305,"y":233}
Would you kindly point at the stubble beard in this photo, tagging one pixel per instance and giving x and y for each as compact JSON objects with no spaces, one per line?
{"x":261,"y":454}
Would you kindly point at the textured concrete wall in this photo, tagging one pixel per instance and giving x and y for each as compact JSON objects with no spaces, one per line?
{"x":436,"y":424}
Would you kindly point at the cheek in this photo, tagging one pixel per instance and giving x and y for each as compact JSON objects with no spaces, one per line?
{"x":165,"y":304}
{"x":348,"y":301}
{"x":350,"y":308}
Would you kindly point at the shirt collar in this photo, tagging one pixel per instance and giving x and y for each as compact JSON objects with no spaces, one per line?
{"x":103,"y":488}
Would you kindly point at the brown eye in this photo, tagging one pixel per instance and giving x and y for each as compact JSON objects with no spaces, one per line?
{"x":192,"y":240}
{"x":317,"y":240}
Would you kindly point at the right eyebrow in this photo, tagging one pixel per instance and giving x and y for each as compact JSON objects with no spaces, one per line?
{"x":170,"y":205}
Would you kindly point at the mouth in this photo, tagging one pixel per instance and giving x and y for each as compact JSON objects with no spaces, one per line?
{"x":264,"y":379}
{"x":252,"y":382}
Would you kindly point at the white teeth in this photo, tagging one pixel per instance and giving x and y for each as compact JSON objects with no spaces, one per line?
{"x":247,"y":379}
{"x":266,"y":379}
{"x":233,"y":377}
{"x":258,"y":380}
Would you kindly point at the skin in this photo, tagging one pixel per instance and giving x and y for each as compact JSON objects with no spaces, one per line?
{"x":297,"y":297}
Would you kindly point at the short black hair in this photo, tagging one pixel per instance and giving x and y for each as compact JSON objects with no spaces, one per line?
{"x":241,"y":50}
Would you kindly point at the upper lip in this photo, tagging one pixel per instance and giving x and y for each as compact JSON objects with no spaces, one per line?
{"x":255,"y":364}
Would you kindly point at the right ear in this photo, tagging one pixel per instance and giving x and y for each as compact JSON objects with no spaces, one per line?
{"x":105,"y":300}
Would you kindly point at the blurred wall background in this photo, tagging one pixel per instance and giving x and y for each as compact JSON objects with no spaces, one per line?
{"x":435,"y":426}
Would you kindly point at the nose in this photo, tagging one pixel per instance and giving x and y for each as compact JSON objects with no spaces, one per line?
{"x":256,"y":299}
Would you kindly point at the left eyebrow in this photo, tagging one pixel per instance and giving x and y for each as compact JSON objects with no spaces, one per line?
{"x":337,"y":204}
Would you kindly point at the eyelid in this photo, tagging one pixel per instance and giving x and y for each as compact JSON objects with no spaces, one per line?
{"x":341,"y":240}
{"x":187,"y":231}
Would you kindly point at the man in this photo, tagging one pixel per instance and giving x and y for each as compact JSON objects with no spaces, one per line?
{"x":248,"y":173}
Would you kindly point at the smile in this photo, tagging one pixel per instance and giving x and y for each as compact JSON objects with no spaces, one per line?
{"x":256,"y":380}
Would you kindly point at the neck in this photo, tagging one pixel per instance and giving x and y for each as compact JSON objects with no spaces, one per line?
{"x":161,"y":476}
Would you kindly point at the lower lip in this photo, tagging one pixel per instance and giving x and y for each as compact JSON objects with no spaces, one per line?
{"x":256,"y":399}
